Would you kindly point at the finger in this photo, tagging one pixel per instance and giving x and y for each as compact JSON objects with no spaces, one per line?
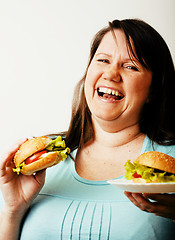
{"x":132,"y":199}
{"x":40,"y":176}
{"x":148,"y":206}
{"x":161,"y":198}
{"x":151,"y":207}
{"x":144,"y":204}
{"x":10,"y":153}
{"x":6,"y":158}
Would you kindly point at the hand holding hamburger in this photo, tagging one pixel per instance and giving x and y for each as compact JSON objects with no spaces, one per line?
{"x":39,"y":153}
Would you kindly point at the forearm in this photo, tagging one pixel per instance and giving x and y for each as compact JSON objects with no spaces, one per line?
{"x":10,"y":225}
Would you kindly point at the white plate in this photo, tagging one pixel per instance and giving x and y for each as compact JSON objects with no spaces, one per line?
{"x":128,"y":185}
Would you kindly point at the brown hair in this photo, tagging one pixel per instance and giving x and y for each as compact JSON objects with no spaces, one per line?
{"x":157,"y":119}
{"x":80,"y":129}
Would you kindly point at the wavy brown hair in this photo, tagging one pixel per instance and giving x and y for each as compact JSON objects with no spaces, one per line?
{"x":157,"y":118}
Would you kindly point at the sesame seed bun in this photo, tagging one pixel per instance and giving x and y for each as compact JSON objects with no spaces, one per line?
{"x":30,"y":147}
{"x":157,"y":160}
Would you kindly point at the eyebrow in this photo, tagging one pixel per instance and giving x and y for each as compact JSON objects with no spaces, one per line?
{"x":125,"y":59}
{"x":106,"y":54}
{"x":130,"y":60}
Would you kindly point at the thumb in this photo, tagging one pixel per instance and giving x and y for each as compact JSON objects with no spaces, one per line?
{"x":40,"y":177}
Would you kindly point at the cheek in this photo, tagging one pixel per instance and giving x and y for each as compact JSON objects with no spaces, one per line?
{"x":87,"y":84}
{"x":86,"y":91}
{"x":91,"y":80}
{"x":93,"y":74}
{"x":88,"y":88}
{"x":140,"y":88}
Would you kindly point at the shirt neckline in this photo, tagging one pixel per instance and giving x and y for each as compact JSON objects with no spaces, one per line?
{"x":93,"y":182}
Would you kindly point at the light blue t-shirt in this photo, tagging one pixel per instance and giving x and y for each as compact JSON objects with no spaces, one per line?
{"x":72,"y":208}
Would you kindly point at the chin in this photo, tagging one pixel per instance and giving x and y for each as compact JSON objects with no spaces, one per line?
{"x":107,"y":113}
{"x":114,"y":123}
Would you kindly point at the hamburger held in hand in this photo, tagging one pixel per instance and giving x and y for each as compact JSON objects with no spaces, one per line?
{"x":150,"y":167}
{"x":39,"y":153}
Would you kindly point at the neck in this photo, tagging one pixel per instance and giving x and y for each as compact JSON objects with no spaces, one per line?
{"x":117,"y":138}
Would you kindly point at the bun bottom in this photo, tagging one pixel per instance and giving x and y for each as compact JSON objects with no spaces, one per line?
{"x":46,"y":160}
{"x":141,"y":180}
{"x":138,"y":180}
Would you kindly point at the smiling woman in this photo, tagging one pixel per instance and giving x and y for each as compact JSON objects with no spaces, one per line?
{"x":119,"y":111}
{"x":116,"y":73}
{"x":143,"y":44}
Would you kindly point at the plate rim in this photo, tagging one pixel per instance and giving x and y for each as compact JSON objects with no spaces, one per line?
{"x":129,"y":186}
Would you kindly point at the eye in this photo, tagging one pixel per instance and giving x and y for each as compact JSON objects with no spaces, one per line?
{"x":103,"y":60}
{"x":130,"y":67}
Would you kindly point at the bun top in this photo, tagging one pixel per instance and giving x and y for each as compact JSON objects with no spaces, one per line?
{"x":157,"y":160}
{"x":30,"y":147}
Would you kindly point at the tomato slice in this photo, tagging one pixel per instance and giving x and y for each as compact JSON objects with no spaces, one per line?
{"x":136,"y":175}
{"x":34,"y":157}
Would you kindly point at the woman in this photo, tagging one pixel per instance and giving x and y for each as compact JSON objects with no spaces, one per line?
{"x":120,"y":110}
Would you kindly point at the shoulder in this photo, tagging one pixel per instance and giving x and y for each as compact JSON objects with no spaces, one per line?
{"x":149,"y":145}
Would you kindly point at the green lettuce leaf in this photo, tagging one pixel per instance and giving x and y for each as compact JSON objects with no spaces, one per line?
{"x":147,"y":173}
{"x":19,"y":167}
{"x":58,"y":145}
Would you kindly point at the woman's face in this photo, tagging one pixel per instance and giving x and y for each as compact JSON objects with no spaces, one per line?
{"x":115,"y":87}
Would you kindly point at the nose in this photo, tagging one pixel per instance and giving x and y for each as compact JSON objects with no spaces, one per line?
{"x":111,"y":73}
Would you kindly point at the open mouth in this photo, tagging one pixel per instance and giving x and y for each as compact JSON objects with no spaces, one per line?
{"x":110,"y":94}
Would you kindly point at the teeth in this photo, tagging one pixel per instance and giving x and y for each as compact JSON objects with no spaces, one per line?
{"x":113,"y":92}
{"x":110,"y":91}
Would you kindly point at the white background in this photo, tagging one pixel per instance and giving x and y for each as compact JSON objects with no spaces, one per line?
{"x":44,"y":49}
